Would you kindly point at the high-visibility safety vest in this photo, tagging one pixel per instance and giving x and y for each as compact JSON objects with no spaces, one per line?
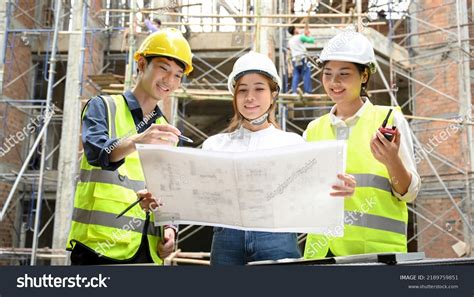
{"x":101,"y":195}
{"x":374,"y":219}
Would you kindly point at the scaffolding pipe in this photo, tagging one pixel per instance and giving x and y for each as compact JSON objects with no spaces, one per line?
{"x":131,"y":47}
{"x":426,"y":86}
{"x":360,"y":26}
{"x":270,"y":16}
{"x":431,"y":224}
{"x":281,"y":59}
{"x":3,"y":53}
{"x":256,"y":24}
{"x":425,"y":155}
{"x":21,"y":75}
{"x":83,"y":47}
{"x":49,"y":97}
{"x":24,"y":167}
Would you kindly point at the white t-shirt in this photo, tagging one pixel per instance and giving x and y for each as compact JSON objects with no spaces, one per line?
{"x":297,"y":46}
{"x":243,"y":140}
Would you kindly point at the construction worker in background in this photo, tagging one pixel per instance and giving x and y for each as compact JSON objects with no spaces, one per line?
{"x":255,"y":84}
{"x":111,"y":176}
{"x":149,"y":25}
{"x":376,"y":216}
{"x":153,"y":25}
{"x":299,"y":58}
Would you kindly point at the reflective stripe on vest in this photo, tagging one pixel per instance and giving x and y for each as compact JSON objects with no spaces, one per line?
{"x":113,"y":111}
{"x":110,"y":177}
{"x":106,"y":219}
{"x":374,"y":222}
{"x":374,"y":181}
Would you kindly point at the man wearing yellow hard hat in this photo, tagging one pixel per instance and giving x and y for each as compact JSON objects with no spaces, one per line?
{"x":111,"y":176}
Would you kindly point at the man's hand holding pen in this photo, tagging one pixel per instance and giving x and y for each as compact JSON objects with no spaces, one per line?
{"x":161,"y":134}
{"x":158,"y":134}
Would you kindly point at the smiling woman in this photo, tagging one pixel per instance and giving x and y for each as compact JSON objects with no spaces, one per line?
{"x":254,"y":84}
{"x":254,"y":100}
{"x":342,"y":82}
{"x":384,"y":169}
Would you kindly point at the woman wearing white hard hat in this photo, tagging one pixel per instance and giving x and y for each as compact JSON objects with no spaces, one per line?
{"x":382,"y":160}
{"x":254,"y":84}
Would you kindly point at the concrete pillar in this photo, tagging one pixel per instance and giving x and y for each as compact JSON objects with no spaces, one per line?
{"x":265,"y":36}
{"x":68,"y":157}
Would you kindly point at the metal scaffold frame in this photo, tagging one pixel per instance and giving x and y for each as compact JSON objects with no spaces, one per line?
{"x":293,"y":109}
{"x":42,"y":109}
{"x":45,"y":109}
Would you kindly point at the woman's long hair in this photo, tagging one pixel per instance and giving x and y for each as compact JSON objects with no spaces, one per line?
{"x":237,"y":119}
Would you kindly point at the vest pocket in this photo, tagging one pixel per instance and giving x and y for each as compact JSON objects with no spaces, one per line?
{"x":104,"y":227}
{"x":115,"y":193}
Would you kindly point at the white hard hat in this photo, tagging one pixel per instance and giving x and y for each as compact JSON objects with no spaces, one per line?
{"x":253,"y":62}
{"x":350,"y":46}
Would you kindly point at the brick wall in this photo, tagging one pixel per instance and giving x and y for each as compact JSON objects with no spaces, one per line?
{"x":94,"y":59}
{"x":24,"y":12}
{"x":438,"y":137}
{"x":434,"y":242}
{"x":7,"y":226}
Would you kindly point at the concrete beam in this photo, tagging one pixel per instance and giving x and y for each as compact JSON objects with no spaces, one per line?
{"x":225,"y":41}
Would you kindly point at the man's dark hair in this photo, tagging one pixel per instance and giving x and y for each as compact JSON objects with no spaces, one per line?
{"x":156,"y":20}
{"x":291,"y":30}
{"x":178,"y":62}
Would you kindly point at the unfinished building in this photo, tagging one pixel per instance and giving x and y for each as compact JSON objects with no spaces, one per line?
{"x":55,"y":55}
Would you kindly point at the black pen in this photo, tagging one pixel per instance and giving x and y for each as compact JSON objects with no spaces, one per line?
{"x":129,"y":207}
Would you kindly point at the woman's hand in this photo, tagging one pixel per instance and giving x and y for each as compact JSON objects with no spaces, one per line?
{"x":347,"y":188}
{"x":149,"y":202}
{"x":383,"y":150}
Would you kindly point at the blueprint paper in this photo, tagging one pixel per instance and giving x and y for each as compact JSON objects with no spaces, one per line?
{"x":278,"y":190}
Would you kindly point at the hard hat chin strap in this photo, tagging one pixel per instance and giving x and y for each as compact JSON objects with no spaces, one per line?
{"x":258,"y":120}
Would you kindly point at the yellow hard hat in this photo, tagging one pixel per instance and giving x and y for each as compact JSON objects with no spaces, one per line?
{"x":170,"y":43}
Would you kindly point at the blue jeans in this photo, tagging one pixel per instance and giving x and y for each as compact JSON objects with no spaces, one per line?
{"x":237,"y":247}
{"x":301,"y":71}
